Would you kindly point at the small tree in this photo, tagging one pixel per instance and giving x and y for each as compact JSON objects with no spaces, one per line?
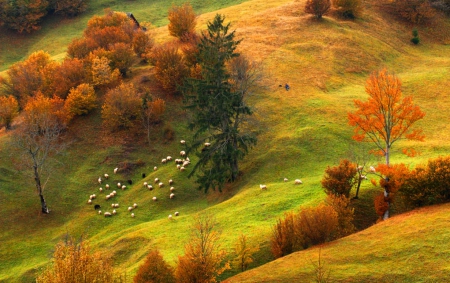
{"x":345,"y":213}
{"x":318,"y":8}
{"x":348,"y":8}
{"x":81,"y":100}
{"x":317,"y":225}
{"x":69,"y":74}
{"x":142,"y":44}
{"x":9,"y":109}
{"x":203,"y":258}
{"x":182,"y":21}
{"x":154,"y":270}
{"x":74,"y":262}
{"x":415,"y":11}
{"x":102,"y":74}
{"x":244,"y":253}
{"x":24,"y":15}
{"x":70,"y":8}
{"x":284,"y":238}
{"x":152,"y":112}
{"x":339,"y":180}
{"x":122,"y":107}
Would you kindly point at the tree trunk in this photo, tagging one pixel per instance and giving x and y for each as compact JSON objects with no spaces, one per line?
{"x":37,"y":179}
{"x":357,"y":187}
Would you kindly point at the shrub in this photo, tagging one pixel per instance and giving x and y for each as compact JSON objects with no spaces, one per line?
{"x":284,"y":238}
{"x":317,"y":225}
{"x":243,"y":253}
{"x":348,"y":8}
{"x":122,"y":57}
{"x":23,"y":15}
{"x":74,"y":262}
{"x":142,"y":44}
{"x":182,"y":21}
{"x":81,"y":100}
{"x":170,"y":67}
{"x":154,"y":270}
{"x":415,"y":11}
{"x":339,"y":180}
{"x":345,"y":213}
{"x":122,"y":107}
{"x":9,"y":109}
{"x":102,"y":75}
{"x":427,"y":185}
{"x":415,"y":38}
{"x":317,"y":8}
{"x":70,"y":8}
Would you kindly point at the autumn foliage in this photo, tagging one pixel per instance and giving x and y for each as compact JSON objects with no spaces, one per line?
{"x":81,"y":100}
{"x":348,"y":8}
{"x":284,"y":238}
{"x":386,"y":116}
{"x":9,"y":109}
{"x":182,"y":21}
{"x":339,"y":180}
{"x":73,"y":262}
{"x":154,"y":270}
{"x":70,"y":8}
{"x":415,"y":11}
{"x":318,"y":8}
{"x":244,"y":253}
{"x":42,"y":112}
{"x":23,"y":15}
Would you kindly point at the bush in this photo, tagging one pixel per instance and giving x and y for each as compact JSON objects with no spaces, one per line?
{"x":142,"y":44}
{"x":284,"y":239}
{"x":122,"y":107}
{"x":415,"y":38}
{"x":427,"y":185}
{"x":74,"y":262}
{"x":9,"y":109}
{"x":317,"y":8}
{"x":68,"y":75}
{"x":70,"y":8}
{"x":415,"y":11}
{"x":154,"y":270}
{"x":345,"y":213}
{"x":122,"y":57}
{"x":81,"y":100}
{"x":182,"y":21}
{"x":102,"y":74}
{"x":348,"y":8}
{"x":170,"y":67}
{"x":23,"y":15}
{"x":317,"y":225}
{"x":339,"y":180}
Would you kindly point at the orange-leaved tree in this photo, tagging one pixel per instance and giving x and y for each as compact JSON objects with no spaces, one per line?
{"x":339,"y":180}
{"x":182,"y":21}
{"x":154,"y":269}
{"x":386,"y":116}
{"x":81,"y":100}
{"x":317,"y":8}
{"x":9,"y":109}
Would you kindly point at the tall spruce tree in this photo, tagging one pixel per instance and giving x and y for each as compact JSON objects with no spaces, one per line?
{"x":218,"y":109}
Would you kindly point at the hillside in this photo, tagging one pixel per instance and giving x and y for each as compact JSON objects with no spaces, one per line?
{"x":301,"y":131}
{"x":408,"y":248}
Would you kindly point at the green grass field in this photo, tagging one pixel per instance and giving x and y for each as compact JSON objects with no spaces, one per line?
{"x":301,"y":132}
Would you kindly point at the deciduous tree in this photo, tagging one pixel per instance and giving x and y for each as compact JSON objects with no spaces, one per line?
{"x":339,"y":180}
{"x":244,"y":253}
{"x":219,"y":110}
{"x":81,"y":100}
{"x":348,"y":8}
{"x":203,"y":258}
{"x":152,"y":111}
{"x":154,"y":270}
{"x":415,"y":11}
{"x":317,"y":8}
{"x":70,"y":8}
{"x":385,"y":117}
{"x":182,"y":21}
{"x":23,"y":15}
{"x":9,"y":109}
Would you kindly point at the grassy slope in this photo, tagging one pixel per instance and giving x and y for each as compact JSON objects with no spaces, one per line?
{"x":301,"y":132}
{"x":411,"y":247}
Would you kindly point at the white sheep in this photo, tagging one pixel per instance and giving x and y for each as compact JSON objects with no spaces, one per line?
{"x":161,"y":184}
{"x":145,"y":184}
{"x":156,"y":180}
{"x":107,"y":197}
{"x":182,"y":168}
{"x":170,"y":182}
{"x":107,"y":186}
{"x":178,"y":161}
{"x":124,"y":187}
{"x":186,"y":163}
{"x":169,"y":158}
{"x":285,"y":179}
{"x":130,"y":208}
{"x":163,"y":161}
{"x":116,"y":205}
{"x":114,"y":193}
{"x":99,"y":212}
{"x":178,"y":166}
{"x":155,"y":168}
{"x":132,"y":215}
{"x":154,"y":198}
{"x":298,"y":182}
{"x":172,"y":189}
{"x":363,"y":177}
{"x":170,"y":217}
{"x":100,"y":189}
{"x":99,"y":180}
{"x":115,"y":170}
{"x":177,"y":213}
{"x":372,"y":169}
{"x":113,"y":205}
{"x":207,"y":144}
{"x":183,"y":142}
{"x":182,"y":153}
{"x":107,"y":214}
{"x":262,"y":187}
{"x":119,"y":185}
{"x":89,"y":201}
{"x":360,"y":168}
{"x":135,"y":205}
{"x":114,"y":212}
{"x":150,"y":187}
{"x":106,"y":176}
{"x":172,"y":195}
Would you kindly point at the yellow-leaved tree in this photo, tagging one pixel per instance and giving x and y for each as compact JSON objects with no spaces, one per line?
{"x":81,"y":100}
{"x":9,"y":109}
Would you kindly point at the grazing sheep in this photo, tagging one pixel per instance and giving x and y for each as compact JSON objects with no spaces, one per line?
{"x":145,"y":184}
{"x":114,"y":193}
{"x":107,"y":214}
{"x":182,"y":168}
{"x":150,"y":187}
{"x":154,"y":198}
{"x":178,"y":166}
{"x":172,"y":189}
{"x":172,"y":195}
{"x":89,"y":201}
{"x":177,"y":213}
{"x":115,"y":170}
{"x":107,"y":197}
{"x":135,"y":205}
{"x":124,"y":187}
{"x":182,"y":153}
{"x":360,"y":168}
{"x":114,"y":212}
{"x":170,"y":217}
{"x":183,"y":142}
{"x":161,"y":184}
{"x":163,"y":161}
{"x":107,"y":186}
{"x":99,"y":180}
{"x":207,"y":144}
{"x":169,"y":158}
{"x":263,"y":187}
{"x":156,"y":180}
{"x":116,"y":205}
{"x":170,"y":182}
{"x":298,"y":182}
{"x":285,"y":179}
{"x":132,"y":215}
{"x":372,"y":169}
{"x":363,"y":177}
{"x":112,"y":205}
{"x":100,"y":189}
{"x":97,"y":206}
{"x":119,"y":185}
{"x":99,"y":212}
{"x":130,"y":208}
{"x":186,"y":163}
{"x":106,"y":176}
{"x":155,"y":168}
{"x":178,"y":161}
{"x":143,"y":175}
{"x":187,"y":158}
{"x":130,"y":182}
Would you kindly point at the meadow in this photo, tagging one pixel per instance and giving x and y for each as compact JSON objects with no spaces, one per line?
{"x":300,"y":133}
